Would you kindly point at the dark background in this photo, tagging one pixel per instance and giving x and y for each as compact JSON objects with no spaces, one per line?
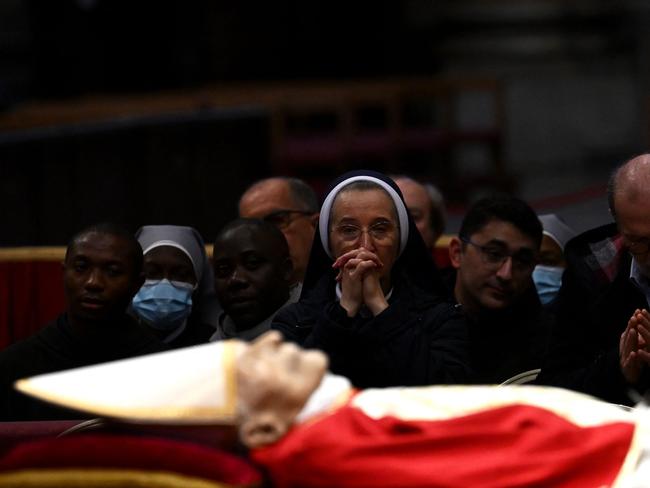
{"x":574,"y":78}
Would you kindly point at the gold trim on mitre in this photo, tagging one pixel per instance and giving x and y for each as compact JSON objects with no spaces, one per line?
{"x":103,"y":478}
{"x":184,"y":386}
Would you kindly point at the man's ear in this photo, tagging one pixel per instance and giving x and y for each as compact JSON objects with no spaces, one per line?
{"x":261,"y":429}
{"x":313,"y":220}
{"x":455,"y":251}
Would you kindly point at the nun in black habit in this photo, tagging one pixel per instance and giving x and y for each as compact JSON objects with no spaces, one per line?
{"x":372,"y":298}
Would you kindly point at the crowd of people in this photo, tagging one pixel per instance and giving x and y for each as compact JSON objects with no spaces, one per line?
{"x":354,"y":278}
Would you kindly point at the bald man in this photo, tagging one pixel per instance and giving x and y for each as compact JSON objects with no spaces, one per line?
{"x":601,"y":344}
{"x":427,"y":208}
{"x":292,"y":206}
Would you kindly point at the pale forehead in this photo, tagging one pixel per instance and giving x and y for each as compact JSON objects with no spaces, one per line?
{"x":633,"y":180}
{"x":357,"y":203}
{"x":414,"y":193}
{"x":265,"y":197}
{"x":633,"y":219}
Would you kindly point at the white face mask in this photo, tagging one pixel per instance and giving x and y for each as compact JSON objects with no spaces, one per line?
{"x":548,"y":280}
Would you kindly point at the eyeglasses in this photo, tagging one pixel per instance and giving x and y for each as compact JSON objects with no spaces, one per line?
{"x":282,"y":218}
{"x":378,"y":231}
{"x":522,"y":260}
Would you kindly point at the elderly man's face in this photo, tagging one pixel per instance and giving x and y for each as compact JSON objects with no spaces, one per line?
{"x":251,"y":276}
{"x":274,"y":380}
{"x":419,"y":205}
{"x":494,"y":267}
{"x":633,"y":221}
{"x":99,"y":277}
{"x":272,"y":199}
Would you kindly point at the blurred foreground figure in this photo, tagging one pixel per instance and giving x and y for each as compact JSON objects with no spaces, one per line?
{"x":311,"y":429}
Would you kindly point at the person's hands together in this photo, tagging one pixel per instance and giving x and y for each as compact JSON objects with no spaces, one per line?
{"x":633,"y":346}
{"x":373,"y":295}
{"x":359,"y":280}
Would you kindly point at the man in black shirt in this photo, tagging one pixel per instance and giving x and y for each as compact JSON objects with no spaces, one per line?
{"x":102,"y":271}
{"x":494,"y":256}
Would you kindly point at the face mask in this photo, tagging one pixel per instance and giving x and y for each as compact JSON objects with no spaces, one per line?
{"x":548,"y":280}
{"x":162,"y":304}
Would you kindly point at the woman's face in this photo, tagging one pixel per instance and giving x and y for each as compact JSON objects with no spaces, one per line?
{"x":550,"y":253}
{"x":365,"y":218}
{"x":168,"y":262}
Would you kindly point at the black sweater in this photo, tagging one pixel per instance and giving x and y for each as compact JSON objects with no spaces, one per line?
{"x":57,"y":347}
{"x":418,"y":340}
{"x":593,"y":307}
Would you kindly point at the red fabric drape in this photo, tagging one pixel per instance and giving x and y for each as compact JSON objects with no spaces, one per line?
{"x":31,"y":295}
{"x":514,"y":445}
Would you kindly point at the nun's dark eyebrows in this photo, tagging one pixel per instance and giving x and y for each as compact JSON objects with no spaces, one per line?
{"x":343,"y":220}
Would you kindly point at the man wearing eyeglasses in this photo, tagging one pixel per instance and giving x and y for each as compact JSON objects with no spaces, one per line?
{"x":494,"y":256}
{"x":601,"y":342}
{"x":292,"y":206}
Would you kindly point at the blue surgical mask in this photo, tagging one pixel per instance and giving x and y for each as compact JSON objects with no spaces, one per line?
{"x":548,"y":280}
{"x":162,"y":304}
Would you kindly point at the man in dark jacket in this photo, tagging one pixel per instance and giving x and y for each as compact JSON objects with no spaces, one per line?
{"x":102,"y":272}
{"x":494,"y":256}
{"x":598,"y":347}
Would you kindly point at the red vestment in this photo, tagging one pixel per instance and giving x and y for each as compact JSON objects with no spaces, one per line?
{"x":513,"y":445}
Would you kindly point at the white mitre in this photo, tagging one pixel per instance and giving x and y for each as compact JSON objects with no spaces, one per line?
{"x":194,"y":385}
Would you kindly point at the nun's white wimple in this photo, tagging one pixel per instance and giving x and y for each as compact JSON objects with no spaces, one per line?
{"x":402,"y":213}
{"x":164,"y":242}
